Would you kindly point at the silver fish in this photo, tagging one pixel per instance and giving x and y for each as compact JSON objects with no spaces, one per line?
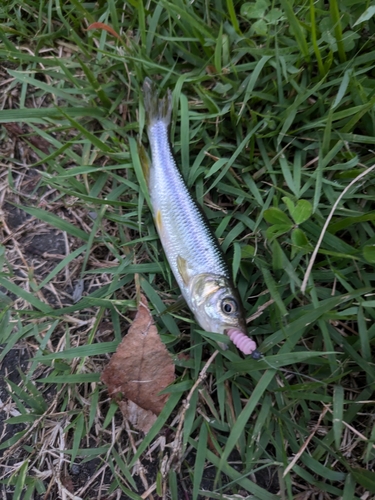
{"x":189,"y":244}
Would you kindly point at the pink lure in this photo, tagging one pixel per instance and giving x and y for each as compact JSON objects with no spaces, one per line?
{"x":243,"y":342}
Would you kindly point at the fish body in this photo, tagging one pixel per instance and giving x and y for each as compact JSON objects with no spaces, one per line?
{"x":191,"y":248}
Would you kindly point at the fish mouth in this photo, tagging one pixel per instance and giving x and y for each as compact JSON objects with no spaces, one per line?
{"x":243,"y":343}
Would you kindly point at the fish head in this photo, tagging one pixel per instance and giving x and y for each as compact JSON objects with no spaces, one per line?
{"x":216,"y":304}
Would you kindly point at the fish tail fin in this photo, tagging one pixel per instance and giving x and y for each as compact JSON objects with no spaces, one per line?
{"x":156,"y":109}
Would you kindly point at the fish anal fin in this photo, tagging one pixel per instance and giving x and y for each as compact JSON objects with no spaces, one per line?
{"x":183,"y":269}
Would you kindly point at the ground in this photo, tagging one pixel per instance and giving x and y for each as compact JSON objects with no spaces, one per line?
{"x":273,"y":126}
{"x":34,"y":248}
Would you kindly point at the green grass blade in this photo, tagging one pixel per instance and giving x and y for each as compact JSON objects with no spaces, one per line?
{"x":338,"y":413}
{"x":243,"y":418}
{"x":200,"y":460}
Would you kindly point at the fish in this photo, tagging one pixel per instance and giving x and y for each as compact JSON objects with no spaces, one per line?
{"x":192,"y":250}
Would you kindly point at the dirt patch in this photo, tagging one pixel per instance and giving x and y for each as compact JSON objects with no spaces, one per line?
{"x":15,"y":361}
{"x":34,"y":249}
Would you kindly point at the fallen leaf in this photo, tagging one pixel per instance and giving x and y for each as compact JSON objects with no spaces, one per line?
{"x":66,"y":481}
{"x":183,"y":356}
{"x":211,"y":70}
{"x":140,"y":419}
{"x":140,"y":368}
{"x":25,"y":133}
{"x":103,"y":26}
{"x":14,"y":129}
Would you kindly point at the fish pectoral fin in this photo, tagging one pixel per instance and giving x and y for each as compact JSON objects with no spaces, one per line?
{"x":223,"y":346}
{"x":158,"y":221}
{"x":183,"y":269}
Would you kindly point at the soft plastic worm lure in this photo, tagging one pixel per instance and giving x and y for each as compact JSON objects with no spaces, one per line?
{"x":244,"y":343}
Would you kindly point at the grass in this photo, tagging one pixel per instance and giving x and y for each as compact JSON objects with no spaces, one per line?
{"x":274,"y":127}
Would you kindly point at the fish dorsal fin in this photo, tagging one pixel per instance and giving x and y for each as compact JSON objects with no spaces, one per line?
{"x":145,"y":163}
{"x":183,"y":269}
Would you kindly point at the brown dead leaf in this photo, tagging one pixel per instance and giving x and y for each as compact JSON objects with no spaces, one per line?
{"x":66,"y":481}
{"x":211,"y":70}
{"x":141,"y":419}
{"x":182,"y":356}
{"x":14,"y":129}
{"x":140,"y":368}
{"x":102,"y":26}
{"x":25,"y":133}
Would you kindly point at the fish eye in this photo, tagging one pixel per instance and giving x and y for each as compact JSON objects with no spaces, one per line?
{"x":229,"y":305}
